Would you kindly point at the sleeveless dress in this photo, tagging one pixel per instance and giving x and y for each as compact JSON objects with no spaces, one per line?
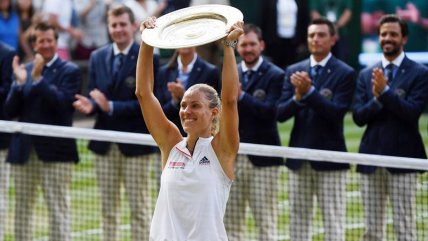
{"x":193,"y":196}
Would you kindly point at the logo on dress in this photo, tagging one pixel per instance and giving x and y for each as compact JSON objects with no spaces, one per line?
{"x":204,"y":161}
{"x":176,"y":165}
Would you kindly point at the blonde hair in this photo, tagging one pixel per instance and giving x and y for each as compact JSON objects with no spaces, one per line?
{"x":214,"y":102}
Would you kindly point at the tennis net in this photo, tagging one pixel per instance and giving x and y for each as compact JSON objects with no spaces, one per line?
{"x":86,"y":202}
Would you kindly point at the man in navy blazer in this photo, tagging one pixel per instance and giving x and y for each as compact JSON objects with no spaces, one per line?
{"x":390,"y":98}
{"x":256,"y":177}
{"x":184,"y":69}
{"x":6,"y":55}
{"x":317,"y":92}
{"x":43,"y":92}
{"x":112,"y":98}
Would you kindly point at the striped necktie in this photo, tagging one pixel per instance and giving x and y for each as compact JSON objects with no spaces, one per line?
{"x":117,"y":64}
{"x":389,"y":72}
{"x":316,"y":72}
{"x":247,"y":76}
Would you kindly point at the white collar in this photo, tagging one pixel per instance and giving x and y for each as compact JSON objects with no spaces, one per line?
{"x":323,"y":62}
{"x":254,"y":68}
{"x":189,"y":66}
{"x":182,"y":146}
{"x":397,"y":61}
{"x":54,"y":58}
{"x":117,"y":51}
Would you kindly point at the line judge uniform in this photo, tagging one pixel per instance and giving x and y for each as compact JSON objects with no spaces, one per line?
{"x":392,"y":129}
{"x":41,"y":160}
{"x":318,"y":124}
{"x":256,"y":177}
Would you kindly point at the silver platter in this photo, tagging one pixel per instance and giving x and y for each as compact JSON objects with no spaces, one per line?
{"x":192,"y":26}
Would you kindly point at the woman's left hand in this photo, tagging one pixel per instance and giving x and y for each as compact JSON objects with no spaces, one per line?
{"x":235,"y":31}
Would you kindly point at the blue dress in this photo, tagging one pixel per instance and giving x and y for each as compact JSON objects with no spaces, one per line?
{"x":9,"y":30}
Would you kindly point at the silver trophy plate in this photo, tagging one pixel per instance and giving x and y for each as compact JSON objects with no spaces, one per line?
{"x":192,"y":26}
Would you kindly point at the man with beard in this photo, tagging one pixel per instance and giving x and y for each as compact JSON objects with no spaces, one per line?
{"x":317,"y":93}
{"x":256,"y":177}
{"x":390,"y":98}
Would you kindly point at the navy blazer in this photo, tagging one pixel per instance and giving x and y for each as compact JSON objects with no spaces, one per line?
{"x":126,"y":114}
{"x":256,"y":109}
{"x":6,"y":56}
{"x":392,"y":126}
{"x":47,"y":102}
{"x":202,"y":72}
{"x":318,"y":119}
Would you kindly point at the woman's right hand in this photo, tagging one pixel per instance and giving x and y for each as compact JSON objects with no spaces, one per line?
{"x":149,"y":23}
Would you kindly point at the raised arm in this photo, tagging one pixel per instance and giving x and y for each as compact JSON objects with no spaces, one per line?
{"x":226,"y":142}
{"x":165,"y":133}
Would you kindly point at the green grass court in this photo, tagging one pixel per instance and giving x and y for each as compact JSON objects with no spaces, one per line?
{"x":86,"y":207}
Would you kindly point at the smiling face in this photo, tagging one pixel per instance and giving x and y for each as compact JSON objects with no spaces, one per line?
{"x":45,"y":43}
{"x":250,"y":48}
{"x":391,"y":39}
{"x":121,"y":29}
{"x":196,"y":115}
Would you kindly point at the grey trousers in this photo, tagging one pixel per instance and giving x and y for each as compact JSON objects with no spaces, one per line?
{"x":54,"y":179}
{"x":401,"y":189}
{"x":4,"y":181}
{"x":329,"y":189}
{"x":257,"y":186}
{"x":113,"y":170}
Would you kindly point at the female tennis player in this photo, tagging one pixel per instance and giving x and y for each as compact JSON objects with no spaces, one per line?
{"x":197,"y":170}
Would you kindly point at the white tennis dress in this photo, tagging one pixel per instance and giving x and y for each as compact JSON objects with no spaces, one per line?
{"x":193,"y":195}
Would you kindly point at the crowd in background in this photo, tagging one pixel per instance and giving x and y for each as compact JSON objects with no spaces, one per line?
{"x":82,"y":24}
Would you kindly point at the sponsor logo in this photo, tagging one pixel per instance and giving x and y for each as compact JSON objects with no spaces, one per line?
{"x":176,"y":165}
{"x":204,"y":161}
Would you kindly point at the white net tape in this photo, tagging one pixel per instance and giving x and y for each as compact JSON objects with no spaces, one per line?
{"x":245,"y":148}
